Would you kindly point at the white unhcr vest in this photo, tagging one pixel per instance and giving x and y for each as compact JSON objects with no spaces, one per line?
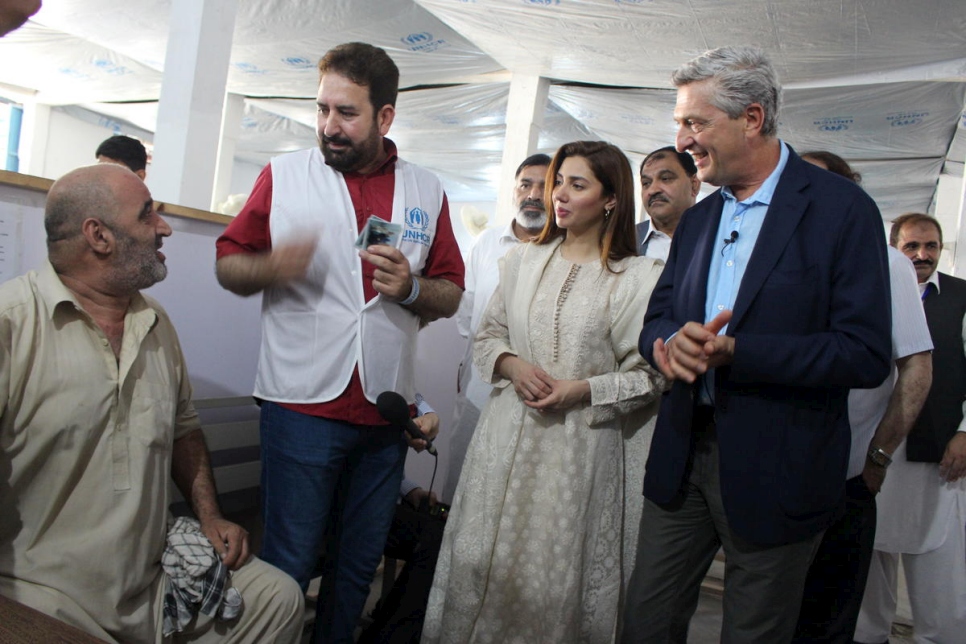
{"x":317,"y":329}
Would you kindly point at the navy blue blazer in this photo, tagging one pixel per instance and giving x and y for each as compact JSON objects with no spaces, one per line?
{"x":812,"y":320}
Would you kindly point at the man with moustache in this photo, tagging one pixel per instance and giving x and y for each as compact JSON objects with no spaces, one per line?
{"x":669,"y":186}
{"x":764,"y":318}
{"x":922,"y":504}
{"x":337,"y":331}
{"x":482,"y":277}
{"x":96,"y":418}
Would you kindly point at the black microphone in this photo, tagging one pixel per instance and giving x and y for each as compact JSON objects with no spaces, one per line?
{"x":393,"y":408}
{"x":729,"y":240}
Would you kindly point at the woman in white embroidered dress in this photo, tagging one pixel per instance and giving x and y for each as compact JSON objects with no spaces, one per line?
{"x":544,"y":521}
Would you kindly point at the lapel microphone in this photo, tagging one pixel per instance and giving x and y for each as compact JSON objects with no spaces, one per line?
{"x":729,"y":240}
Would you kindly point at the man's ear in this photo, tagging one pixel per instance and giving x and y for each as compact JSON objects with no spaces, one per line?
{"x":695,"y":185}
{"x":754,"y":118}
{"x":98,"y":236}
{"x":384,"y":118}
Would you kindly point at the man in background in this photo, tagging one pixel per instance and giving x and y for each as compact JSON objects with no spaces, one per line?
{"x":126,"y":151}
{"x":922,"y":505}
{"x":482,"y":277}
{"x":669,"y":186}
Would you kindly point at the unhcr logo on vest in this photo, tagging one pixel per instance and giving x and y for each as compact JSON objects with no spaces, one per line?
{"x":417,"y":221}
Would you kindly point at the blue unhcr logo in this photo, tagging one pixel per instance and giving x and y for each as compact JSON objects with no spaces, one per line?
{"x":298,"y":62}
{"x":904,"y":119}
{"x":833,"y":124}
{"x":249,"y":68}
{"x":422,"y":41}
{"x":417,"y":221}
{"x":112,"y":68}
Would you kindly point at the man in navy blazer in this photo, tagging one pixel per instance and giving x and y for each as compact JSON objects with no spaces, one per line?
{"x":773,"y":305}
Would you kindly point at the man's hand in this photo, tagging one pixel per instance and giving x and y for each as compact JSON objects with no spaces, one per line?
{"x":694,"y":349}
{"x":415,"y":497}
{"x":873,"y":475}
{"x":290,"y":261}
{"x":393,"y":277}
{"x":529,"y":381}
{"x":246,"y":274}
{"x":428,"y":424}
{"x":229,"y":540}
{"x":564,"y":394}
{"x":953,"y":466}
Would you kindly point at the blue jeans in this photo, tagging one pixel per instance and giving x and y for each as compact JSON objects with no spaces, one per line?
{"x":332,"y":484}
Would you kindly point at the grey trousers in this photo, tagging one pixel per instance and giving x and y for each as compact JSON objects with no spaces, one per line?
{"x":763,"y":584}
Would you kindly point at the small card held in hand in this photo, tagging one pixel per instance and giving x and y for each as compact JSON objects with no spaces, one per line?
{"x":378,"y":231}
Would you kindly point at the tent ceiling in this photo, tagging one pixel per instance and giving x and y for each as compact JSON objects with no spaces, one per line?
{"x":881,"y":82}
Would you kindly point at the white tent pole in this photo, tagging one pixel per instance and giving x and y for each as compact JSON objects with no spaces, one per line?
{"x":524,"y":116}
{"x":192,"y":100}
{"x":230,"y":131}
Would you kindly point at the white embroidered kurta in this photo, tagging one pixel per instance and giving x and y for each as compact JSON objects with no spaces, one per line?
{"x":543,"y":528}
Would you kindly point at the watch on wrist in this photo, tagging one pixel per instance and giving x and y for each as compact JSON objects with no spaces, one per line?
{"x":880,"y":457}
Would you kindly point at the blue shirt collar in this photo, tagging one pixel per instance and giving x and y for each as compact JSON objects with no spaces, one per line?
{"x":767,"y":189}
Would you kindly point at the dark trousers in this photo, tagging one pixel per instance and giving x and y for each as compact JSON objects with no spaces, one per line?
{"x":836,"y":579}
{"x":414,"y":537}
{"x":763,"y":584}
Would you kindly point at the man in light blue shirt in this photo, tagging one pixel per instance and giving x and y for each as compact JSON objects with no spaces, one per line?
{"x":774,"y":304}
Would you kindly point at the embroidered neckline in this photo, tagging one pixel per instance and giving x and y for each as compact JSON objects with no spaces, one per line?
{"x":565,"y":289}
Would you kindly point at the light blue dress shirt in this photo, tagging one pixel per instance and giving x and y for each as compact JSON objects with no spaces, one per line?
{"x":729,"y":260}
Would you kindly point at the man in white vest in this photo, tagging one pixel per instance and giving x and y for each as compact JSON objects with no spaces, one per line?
{"x":339,"y":327}
{"x":482,"y":276}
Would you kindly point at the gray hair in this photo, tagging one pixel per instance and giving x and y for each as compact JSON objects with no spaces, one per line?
{"x":741,"y":76}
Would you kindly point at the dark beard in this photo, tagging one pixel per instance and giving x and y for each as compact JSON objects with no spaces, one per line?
{"x":353,"y":157}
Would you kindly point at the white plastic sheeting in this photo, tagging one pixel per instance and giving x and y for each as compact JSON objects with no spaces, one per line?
{"x":640,"y":42}
{"x":104,"y":50}
{"x":881,"y":82}
{"x":456,"y":131}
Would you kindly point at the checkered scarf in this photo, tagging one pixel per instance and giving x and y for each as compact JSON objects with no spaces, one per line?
{"x":197,"y":579}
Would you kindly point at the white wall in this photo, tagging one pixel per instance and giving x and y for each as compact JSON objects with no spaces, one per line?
{"x":71,"y":143}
